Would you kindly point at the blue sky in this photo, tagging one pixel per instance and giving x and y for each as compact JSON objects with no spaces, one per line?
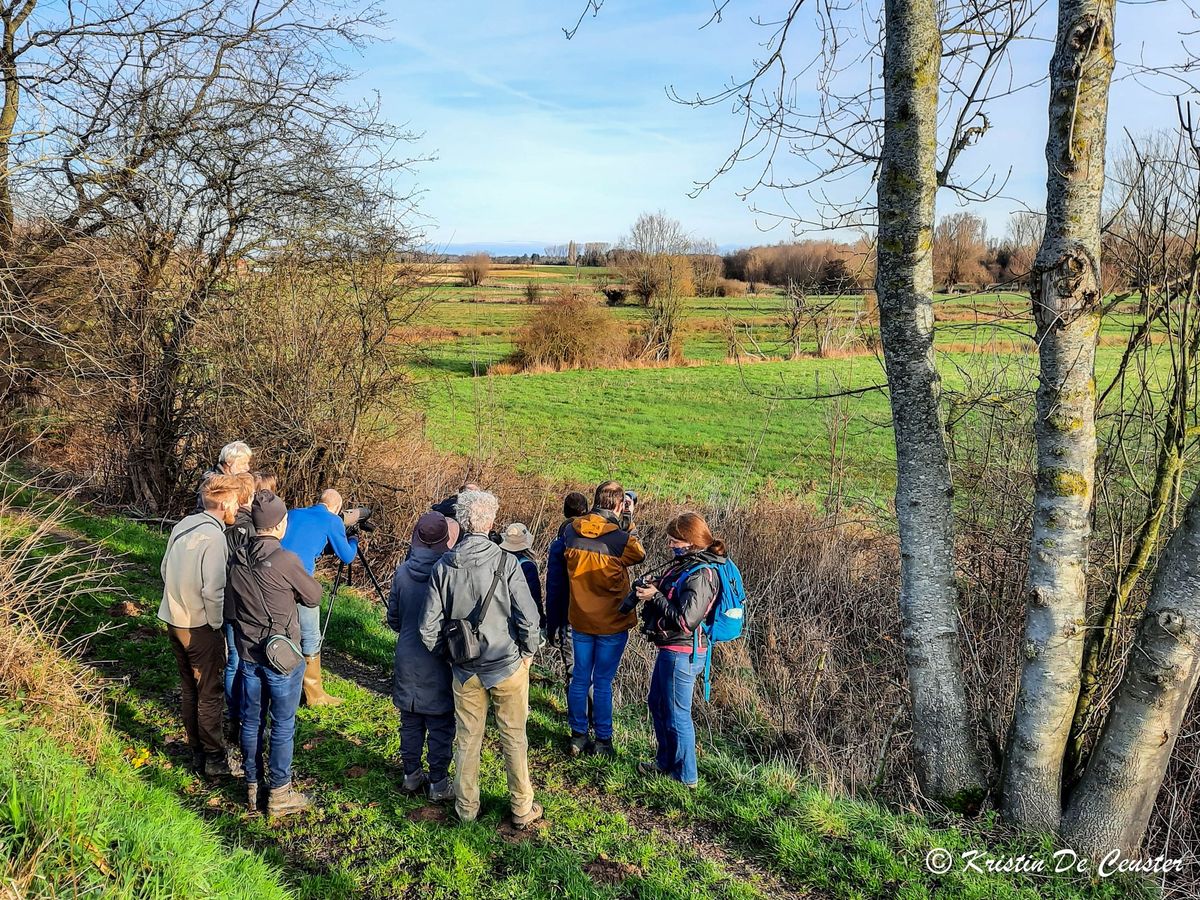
{"x":540,"y":140}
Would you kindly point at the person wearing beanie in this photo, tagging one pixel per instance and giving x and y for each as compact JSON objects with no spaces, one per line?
{"x":421,"y":686}
{"x":265,"y":586}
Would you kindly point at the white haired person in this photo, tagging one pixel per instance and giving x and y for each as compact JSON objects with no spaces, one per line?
{"x":478,"y":582}
{"x":234,"y":459}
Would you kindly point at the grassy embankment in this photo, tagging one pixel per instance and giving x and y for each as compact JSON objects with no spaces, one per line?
{"x":750,"y":831}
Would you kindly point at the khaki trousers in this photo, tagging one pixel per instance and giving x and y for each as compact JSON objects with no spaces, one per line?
{"x":511,"y":698}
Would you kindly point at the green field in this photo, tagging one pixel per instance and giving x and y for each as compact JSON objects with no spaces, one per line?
{"x":714,"y":428}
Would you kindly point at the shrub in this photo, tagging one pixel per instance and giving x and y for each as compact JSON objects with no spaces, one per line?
{"x":615,"y":296}
{"x":532,"y":291}
{"x":475,"y":269}
{"x":570,"y":332}
{"x":731,"y":287}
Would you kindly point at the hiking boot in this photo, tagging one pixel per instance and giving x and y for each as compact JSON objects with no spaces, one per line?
{"x":441,"y":790}
{"x":604,"y":748}
{"x":579,"y":744}
{"x":415,"y":781}
{"x":286,"y":800}
{"x":222,"y":763}
{"x":523,"y":822}
{"x":314,"y":690}
{"x":199,"y":758}
{"x":649,"y":768}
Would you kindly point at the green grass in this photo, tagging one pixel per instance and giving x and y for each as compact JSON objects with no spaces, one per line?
{"x":714,"y":428}
{"x":364,"y":839}
{"x":69,"y":829}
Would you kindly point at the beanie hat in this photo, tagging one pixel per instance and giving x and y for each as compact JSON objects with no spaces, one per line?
{"x":267,"y":510}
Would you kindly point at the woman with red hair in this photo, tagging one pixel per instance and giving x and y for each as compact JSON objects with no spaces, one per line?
{"x":675,"y":606}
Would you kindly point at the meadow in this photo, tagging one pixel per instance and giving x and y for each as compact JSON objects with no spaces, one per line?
{"x":725,"y":424}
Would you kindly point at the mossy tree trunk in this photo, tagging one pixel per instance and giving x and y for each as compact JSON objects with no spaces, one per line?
{"x":947,"y":761}
{"x":1066,"y":291}
{"x":1111,"y":806}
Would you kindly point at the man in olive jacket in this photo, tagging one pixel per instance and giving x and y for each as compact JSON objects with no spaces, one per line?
{"x":508,"y":638}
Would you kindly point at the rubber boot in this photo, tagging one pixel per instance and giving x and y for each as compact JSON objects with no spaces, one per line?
{"x":314,"y":693}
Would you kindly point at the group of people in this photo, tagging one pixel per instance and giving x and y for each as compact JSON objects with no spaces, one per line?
{"x":242,"y":610}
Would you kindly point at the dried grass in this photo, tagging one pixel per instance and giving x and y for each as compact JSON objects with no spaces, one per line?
{"x":41,"y":576}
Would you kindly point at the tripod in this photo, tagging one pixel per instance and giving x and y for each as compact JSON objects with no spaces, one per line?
{"x":343,"y":577}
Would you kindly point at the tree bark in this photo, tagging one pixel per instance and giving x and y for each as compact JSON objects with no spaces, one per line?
{"x":1066,"y":291}
{"x":1112,"y":804}
{"x":948,"y":766}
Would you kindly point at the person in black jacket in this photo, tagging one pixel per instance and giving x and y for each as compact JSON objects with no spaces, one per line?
{"x":675,"y":606}
{"x":236,"y":535}
{"x":558,"y":589}
{"x":265,"y":584}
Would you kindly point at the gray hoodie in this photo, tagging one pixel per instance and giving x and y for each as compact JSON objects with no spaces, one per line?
{"x":193,"y":573}
{"x":420,"y":681}
{"x":459,"y":582}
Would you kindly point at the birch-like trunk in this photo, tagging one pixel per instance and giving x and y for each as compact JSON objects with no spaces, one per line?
{"x":1111,"y":806}
{"x":1066,"y":292}
{"x":948,"y":765}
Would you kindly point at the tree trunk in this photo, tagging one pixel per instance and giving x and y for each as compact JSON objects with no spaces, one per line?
{"x":1066,"y":293}
{"x":1112,"y":804}
{"x":948,"y":766}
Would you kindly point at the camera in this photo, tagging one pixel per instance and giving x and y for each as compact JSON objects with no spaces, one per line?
{"x":629,"y":604}
{"x":631,"y":499}
{"x":356,"y":519}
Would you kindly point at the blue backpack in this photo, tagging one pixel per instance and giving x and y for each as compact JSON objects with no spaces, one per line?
{"x":726,"y":619}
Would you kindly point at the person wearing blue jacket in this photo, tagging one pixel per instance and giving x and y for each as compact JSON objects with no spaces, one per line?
{"x":309,"y":532}
{"x":558,"y":587}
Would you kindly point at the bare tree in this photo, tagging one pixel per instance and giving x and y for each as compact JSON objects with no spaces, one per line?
{"x":948,"y":764}
{"x":959,"y":245}
{"x":645,"y":263}
{"x":707,"y":268}
{"x":475,"y":268}
{"x":1067,"y":294}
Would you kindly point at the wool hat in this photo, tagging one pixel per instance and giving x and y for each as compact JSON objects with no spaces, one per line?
{"x":516,"y":538}
{"x":267,"y":510}
{"x":435,"y":531}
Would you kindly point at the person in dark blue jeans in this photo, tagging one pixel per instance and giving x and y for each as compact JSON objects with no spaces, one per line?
{"x":267,"y":694}
{"x":265,"y":584}
{"x":674,"y":608}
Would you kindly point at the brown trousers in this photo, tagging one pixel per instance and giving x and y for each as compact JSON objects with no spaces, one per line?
{"x":200,"y":656}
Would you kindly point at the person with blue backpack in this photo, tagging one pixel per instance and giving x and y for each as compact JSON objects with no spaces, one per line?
{"x":697,"y":601}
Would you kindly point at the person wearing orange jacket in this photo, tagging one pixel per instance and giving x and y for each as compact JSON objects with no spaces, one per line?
{"x":598,"y":553}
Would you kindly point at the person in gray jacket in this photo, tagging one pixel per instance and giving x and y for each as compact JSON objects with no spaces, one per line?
{"x":508,"y":638}
{"x":193,"y":606}
{"x":421,"y":681}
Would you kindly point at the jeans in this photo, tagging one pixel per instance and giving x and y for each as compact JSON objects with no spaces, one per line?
{"x":200,"y":658}
{"x":596,"y":659}
{"x":233,"y":678}
{"x":418,"y":728}
{"x":671,"y":709}
{"x":266,"y":693}
{"x":310,"y":629}
{"x":511,"y":699}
